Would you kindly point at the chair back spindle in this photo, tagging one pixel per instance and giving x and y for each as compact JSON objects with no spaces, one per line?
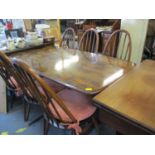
{"x":68,"y":38}
{"x":89,"y":41}
{"x":119,"y":45}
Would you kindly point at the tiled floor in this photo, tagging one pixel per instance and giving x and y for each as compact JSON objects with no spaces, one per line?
{"x":13,"y":123}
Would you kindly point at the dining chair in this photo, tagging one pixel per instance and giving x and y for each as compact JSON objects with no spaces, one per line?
{"x":12,"y":80}
{"x":89,"y":41}
{"x":68,"y":38}
{"x":119,"y":45}
{"x":8,"y":74}
{"x":67,"y":109}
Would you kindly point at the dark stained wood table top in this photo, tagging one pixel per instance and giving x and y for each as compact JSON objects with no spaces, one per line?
{"x":133,"y":96}
{"x":83,"y":71}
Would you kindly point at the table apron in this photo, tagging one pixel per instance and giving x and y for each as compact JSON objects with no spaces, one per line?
{"x":121,"y":123}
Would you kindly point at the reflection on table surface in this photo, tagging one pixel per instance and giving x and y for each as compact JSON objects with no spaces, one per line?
{"x":84,"y":71}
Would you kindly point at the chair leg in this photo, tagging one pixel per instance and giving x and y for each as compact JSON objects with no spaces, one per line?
{"x":86,"y":130}
{"x":73,"y":132}
{"x":96,"y":125}
{"x":10,"y":97}
{"x":26,"y":111}
{"x":35,"y":120}
{"x":11,"y":101}
{"x":46,"y":126}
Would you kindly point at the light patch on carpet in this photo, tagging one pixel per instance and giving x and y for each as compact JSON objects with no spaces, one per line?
{"x":20,"y":130}
{"x":4,"y":133}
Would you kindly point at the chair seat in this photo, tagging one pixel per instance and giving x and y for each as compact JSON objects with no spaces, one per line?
{"x":78,"y":103}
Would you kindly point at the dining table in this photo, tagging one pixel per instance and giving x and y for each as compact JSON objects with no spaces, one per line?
{"x":86,"y":72}
{"x":128,"y":105}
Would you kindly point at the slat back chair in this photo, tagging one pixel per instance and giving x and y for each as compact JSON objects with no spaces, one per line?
{"x":89,"y":41}
{"x":119,"y":45}
{"x":68,"y":38}
{"x":38,"y":89}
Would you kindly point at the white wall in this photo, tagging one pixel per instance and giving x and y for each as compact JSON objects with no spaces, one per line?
{"x":3,"y":105}
{"x":138,"y":30}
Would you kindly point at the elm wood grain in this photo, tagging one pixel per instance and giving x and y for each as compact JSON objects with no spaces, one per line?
{"x":83,"y":71}
{"x":133,"y":96}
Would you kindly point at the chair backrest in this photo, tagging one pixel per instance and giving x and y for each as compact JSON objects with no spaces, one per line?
{"x":8,"y":72}
{"x":34,"y":86}
{"x":119,"y":45}
{"x":89,"y":41}
{"x":68,"y":38}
